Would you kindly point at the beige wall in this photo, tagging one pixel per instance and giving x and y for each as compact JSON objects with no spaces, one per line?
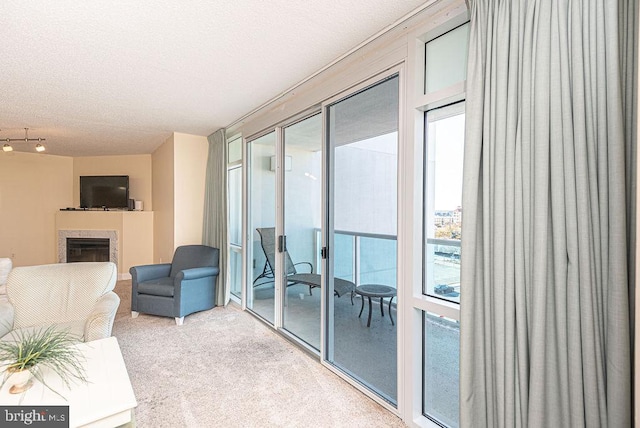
{"x":33,"y":187}
{"x":179,"y":169}
{"x":162,"y":194}
{"x":190,"y":162}
{"x":137,"y":167}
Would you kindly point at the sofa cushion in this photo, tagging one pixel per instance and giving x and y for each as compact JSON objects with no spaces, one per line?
{"x":157,"y":287}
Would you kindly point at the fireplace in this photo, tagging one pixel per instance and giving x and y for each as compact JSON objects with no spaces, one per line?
{"x":87,"y":246}
{"x":87,"y":250}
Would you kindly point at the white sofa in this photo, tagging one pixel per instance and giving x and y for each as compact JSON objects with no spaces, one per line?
{"x":75,"y":296}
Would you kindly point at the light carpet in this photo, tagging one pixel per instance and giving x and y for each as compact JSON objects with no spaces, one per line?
{"x":224,"y":368}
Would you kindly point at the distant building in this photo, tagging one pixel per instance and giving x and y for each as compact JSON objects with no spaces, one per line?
{"x":457,"y":215}
{"x":441,"y":218}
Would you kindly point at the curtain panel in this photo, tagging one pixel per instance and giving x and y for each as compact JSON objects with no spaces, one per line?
{"x":214,"y":229}
{"x":549,"y":209}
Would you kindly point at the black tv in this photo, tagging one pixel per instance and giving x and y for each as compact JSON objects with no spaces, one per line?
{"x":104,"y":191}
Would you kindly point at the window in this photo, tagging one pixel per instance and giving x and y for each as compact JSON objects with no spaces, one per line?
{"x":446,"y":59}
{"x":444,"y":125}
{"x":234,"y":220}
{"x":444,"y":149}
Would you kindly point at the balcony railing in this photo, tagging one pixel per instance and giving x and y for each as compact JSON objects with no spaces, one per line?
{"x":364,"y":258}
{"x":442,"y":269}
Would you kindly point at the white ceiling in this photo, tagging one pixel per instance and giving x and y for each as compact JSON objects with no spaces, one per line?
{"x":117,"y":77}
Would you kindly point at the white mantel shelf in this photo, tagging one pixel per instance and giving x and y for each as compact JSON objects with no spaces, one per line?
{"x":134,"y":231}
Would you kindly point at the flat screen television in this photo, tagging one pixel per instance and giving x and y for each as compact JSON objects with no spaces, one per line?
{"x":104,"y":191}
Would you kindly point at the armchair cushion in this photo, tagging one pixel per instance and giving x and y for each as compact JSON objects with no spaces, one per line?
{"x":157,"y":287}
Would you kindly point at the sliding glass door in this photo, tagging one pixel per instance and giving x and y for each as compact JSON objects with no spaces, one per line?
{"x":285,"y":171}
{"x":362,"y":158}
{"x":302,"y":220}
{"x":262,"y":221}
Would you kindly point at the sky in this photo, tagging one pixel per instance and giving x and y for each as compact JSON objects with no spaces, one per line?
{"x":448,"y":135}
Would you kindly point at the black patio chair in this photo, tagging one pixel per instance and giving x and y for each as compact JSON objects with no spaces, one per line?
{"x":313,"y":280}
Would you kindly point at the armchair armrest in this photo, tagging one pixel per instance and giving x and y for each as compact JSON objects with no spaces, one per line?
{"x":196,"y":273}
{"x":147,"y":272}
{"x":100,"y":320}
{"x":6,"y":317}
{"x":305,"y":263}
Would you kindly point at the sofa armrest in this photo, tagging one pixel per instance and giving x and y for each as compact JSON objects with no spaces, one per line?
{"x":195,"y":273}
{"x":6,"y":317}
{"x":100,"y":320}
{"x":147,"y":272}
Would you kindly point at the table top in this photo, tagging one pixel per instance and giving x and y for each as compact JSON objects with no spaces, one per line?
{"x":375,"y":290}
{"x":106,"y":400}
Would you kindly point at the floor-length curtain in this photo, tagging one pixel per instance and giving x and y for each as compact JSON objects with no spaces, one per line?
{"x":545,"y":310}
{"x":214,"y":229}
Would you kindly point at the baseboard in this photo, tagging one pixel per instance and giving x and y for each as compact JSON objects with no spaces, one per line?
{"x":123,"y":276}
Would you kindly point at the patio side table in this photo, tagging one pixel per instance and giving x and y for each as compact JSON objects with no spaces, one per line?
{"x":375,"y":291}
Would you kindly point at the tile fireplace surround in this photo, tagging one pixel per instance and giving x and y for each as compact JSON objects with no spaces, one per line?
{"x":112,"y":235}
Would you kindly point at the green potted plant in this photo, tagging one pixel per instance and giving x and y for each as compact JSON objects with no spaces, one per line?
{"x":26,"y":355}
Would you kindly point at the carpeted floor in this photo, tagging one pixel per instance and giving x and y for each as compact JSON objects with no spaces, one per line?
{"x":224,"y":368}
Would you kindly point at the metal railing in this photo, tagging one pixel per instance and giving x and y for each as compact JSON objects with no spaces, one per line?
{"x":376,"y":265}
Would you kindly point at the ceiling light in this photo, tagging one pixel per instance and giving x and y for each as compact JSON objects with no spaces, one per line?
{"x":39,"y":147}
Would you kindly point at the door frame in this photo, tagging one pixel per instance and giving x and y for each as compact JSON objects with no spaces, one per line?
{"x":327,"y":241}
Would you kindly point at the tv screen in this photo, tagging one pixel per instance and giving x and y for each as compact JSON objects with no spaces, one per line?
{"x":104,"y":191}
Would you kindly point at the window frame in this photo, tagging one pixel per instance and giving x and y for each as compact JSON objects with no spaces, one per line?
{"x":233,"y":247}
{"x":419,"y":304}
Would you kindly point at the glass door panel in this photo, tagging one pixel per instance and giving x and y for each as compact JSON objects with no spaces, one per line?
{"x":302,"y":219}
{"x":235,"y":229}
{"x":262,"y":220}
{"x":362,"y":236}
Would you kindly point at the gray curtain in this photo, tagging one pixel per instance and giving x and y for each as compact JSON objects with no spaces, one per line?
{"x":214,"y":229}
{"x":548,"y":214}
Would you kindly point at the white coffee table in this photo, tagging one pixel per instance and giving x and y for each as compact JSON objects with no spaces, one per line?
{"x":107,"y":400}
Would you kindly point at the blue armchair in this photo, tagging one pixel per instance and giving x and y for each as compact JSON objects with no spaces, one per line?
{"x":176,"y":289}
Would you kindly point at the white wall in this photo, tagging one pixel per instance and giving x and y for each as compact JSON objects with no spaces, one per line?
{"x":366,"y":186}
{"x":303,"y":198}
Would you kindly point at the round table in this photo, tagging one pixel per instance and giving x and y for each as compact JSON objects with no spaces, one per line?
{"x":376,"y":290}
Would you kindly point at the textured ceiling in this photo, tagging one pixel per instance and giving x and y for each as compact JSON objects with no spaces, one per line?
{"x":117,"y":77}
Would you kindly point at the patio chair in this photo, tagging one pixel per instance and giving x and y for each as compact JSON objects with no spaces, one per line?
{"x":313,"y":280}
